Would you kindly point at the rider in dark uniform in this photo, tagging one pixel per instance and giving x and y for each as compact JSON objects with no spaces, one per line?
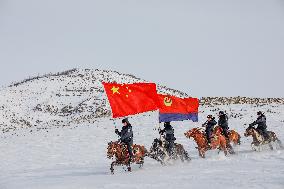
{"x":223,"y":123}
{"x":126,"y":136}
{"x":170,"y":138}
{"x":261,"y":125}
{"x":209,"y":126}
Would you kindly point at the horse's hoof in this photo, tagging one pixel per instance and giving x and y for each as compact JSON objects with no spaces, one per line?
{"x":129,"y":169}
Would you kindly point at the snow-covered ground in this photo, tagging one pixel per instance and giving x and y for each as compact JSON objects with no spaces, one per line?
{"x":74,"y":157}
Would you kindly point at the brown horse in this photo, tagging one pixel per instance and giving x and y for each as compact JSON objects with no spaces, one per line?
{"x":234,"y":137}
{"x":120,"y":153}
{"x":218,"y":141}
{"x":259,"y":140}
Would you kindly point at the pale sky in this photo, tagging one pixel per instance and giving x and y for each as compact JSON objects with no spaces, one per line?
{"x":202,"y":47}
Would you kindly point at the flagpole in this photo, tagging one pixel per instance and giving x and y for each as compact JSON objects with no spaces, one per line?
{"x":159,"y":129}
{"x":114,"y":123}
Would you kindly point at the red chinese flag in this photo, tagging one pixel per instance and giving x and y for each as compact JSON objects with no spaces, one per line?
{"x":172,"y":104}
{"x":130,"y":99}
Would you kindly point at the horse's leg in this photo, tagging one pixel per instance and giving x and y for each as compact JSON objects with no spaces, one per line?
{"x":259,"y":147}
{"x":112,"y":165}
{"x":270,"y":146}
{"x":231,"y":150}
{"x":128,"y":167}
{"x":239,"y":140}
{"x":199,"y":151}
{"x":279,"y":143}
{"x":156,"y":157}
{"x":219,"y":150}
{"x":202,"y":153}
{"x":253,"y":146}
{"x":181,"y":155}
{"x":235,"y":143}
{"x":224,"y":148}
{"x":186,"y":156}
{"x":225,"y":151}
{"x":141,"y":163}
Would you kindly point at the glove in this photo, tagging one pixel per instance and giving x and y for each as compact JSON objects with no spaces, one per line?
{"x":116,"y":131}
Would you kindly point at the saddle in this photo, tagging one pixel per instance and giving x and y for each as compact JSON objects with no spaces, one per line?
{"x":265,"y":136}
{"x":125,"y":150}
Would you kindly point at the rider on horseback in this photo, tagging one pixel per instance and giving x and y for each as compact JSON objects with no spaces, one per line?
{"x":261,"y":125}
{"x":223,"y":123}
{"x":209,"y":126}
{"x":126,"y":136}
{"x":170,"y":138}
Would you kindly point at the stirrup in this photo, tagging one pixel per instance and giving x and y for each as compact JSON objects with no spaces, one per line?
{"x":209,"y":146}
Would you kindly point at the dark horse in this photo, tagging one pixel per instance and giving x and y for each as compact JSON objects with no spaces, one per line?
{"x":158,"y":151}
{"x":120,"y":153}
{"x":259,"y":140}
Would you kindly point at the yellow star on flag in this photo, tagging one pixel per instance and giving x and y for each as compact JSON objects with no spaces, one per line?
{"x":115,"y":90}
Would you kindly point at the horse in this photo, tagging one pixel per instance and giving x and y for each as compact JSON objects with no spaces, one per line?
{"x":218,"y":141}
{"x":259,"y":140}
{"x":159,"y":152}
{"x":120,"y":153}
{"x":234,"y":137}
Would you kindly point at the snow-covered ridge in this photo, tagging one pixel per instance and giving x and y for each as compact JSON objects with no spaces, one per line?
{"x":62,"y":98}
{"x":239,"y":100}
{"x":77,"y":96}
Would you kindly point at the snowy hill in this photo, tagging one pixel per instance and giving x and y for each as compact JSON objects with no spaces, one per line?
{"x":71,"y":153}
{"x":61,"y":99}
{"x":75,"y":96}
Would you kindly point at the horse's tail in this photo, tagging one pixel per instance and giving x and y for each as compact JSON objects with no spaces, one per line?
{"x":146,"y":152}
{"x":276,"y":139}
{"x":280,"y":144}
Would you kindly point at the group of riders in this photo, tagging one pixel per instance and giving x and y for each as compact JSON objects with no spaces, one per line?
{"x":126,"y":134}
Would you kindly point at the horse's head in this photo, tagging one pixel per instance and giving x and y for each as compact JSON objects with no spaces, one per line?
{"x":192,"y":132}
{"x":249,"y":131}
{"x":111,"y":149}
{"x":218,"y":130}
{"x":156,"y":144}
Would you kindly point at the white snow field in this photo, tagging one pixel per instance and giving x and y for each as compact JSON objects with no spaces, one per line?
{"x":45,"y":145}
{"x":75,"y":157}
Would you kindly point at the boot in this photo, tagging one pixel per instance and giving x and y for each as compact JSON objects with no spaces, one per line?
{"x":209,"y":145}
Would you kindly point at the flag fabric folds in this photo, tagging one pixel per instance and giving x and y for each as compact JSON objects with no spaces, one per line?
{"x":177,"y":109}
{"x":130,"y":99}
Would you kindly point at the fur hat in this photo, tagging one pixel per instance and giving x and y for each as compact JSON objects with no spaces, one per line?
{"x":125,"y":120}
